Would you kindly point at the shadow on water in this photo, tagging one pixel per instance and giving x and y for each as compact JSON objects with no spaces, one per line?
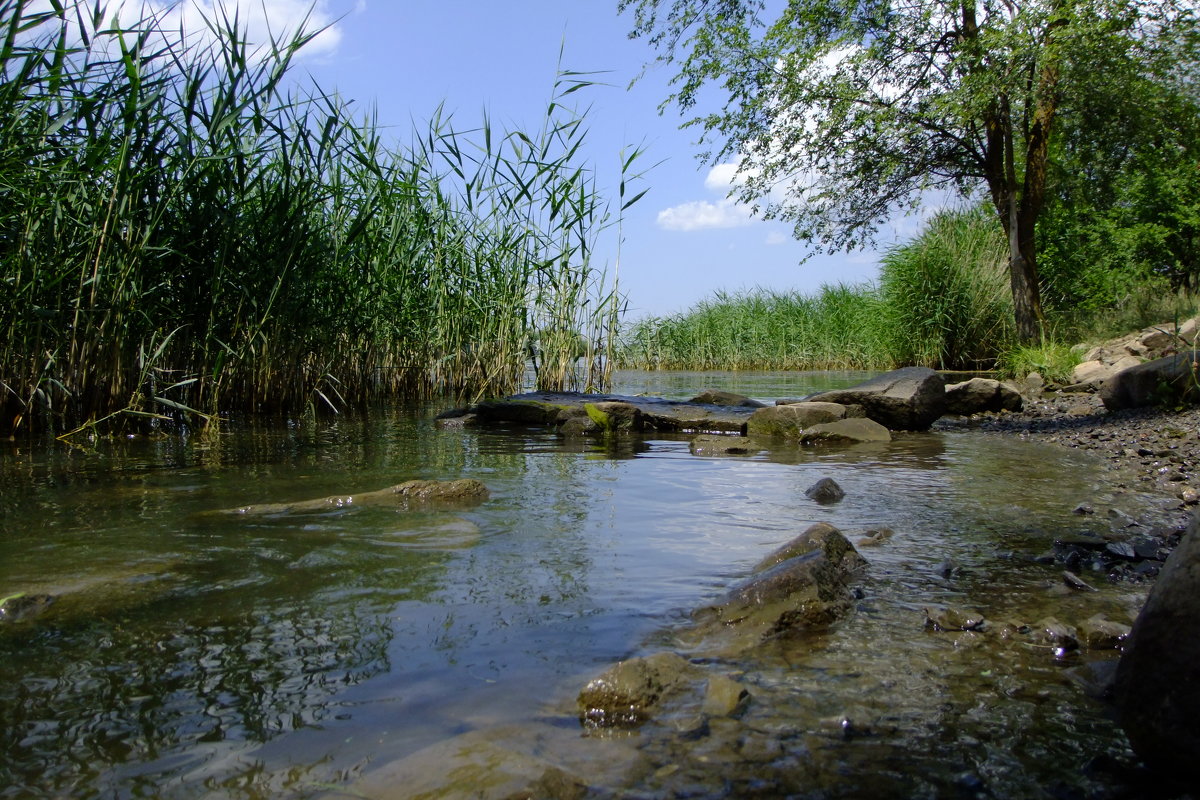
{"x":258,"y":657}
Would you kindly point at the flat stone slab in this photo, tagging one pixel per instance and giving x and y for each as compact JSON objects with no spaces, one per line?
{"x":654,"y":413}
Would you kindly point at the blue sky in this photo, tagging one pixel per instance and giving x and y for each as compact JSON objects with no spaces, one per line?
{"x":682,"y":242}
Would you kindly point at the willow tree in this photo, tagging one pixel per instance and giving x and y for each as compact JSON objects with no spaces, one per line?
{"x":842,"y":113}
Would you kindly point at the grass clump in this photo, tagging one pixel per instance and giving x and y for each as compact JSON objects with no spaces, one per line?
{"x":946,"y":293}
{"x":1053,"y":360}
{"x":182,"y":237}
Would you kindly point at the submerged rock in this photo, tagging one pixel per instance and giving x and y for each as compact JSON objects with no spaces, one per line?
{"x":504,"y":762}
{"x":953,"y":618}
{"x":410,"y":494}
{"x":628,"y":692}
{"x":911,"y":398}
{"x":1059,"y":637}
{"x":23,"y":606}
{"x":1157,"y":690}
{"x":825,"y":491}
{"x":804,"y":584}
{"x":1100,"y":633}
{"x":724,"y":697}
{"x":712,"y":445}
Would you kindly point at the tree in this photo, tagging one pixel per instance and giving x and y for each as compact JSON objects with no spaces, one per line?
{"x":841,"y":113}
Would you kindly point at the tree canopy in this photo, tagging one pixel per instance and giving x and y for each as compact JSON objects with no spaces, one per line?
{"x":842,"y":113}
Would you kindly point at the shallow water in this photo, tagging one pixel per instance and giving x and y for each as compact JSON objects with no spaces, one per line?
{"x":283,"y":656}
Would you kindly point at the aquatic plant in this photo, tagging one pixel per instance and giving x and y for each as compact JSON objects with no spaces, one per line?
{"x":183,"y":236}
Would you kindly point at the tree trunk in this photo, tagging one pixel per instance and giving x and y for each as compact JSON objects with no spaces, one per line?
{"x":1023,"y":276}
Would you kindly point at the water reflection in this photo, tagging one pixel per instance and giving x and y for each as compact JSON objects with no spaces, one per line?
{"x":254,"y":657}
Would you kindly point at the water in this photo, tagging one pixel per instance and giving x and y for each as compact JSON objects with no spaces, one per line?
{"x":189,"y":656}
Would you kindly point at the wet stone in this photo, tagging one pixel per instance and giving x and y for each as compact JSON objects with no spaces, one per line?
{"x":1077,"y":583}
{"x":20,"y":607}
{"x":1099,"y":633}
{"x":825,"y":491}
{"x":951,"y":618}
{"x":1049,"y":632}
{"x":717,"y":445}
{"x":724,"y":696}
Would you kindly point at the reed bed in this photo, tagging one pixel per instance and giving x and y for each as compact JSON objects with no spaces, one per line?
{"x":841,"y":327}
{"x":183,"y":237}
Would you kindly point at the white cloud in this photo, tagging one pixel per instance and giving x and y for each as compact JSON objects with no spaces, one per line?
{"x":706,"y":214}
{"x":260,"y":20}
{"x":702,"y":215}
{"x":777,"y":237}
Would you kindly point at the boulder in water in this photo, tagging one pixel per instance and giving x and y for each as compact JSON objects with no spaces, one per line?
{"x":911,"y":398}
{"x":825,"y":491}
{"x":790,"y":421}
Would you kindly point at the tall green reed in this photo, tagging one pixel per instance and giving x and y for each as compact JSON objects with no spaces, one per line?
{"x":946,"y":293}
{"x":181,"y":235}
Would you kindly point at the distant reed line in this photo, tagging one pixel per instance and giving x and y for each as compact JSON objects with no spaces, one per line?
{"x":182,"y":236}
{"x":942,"y":301}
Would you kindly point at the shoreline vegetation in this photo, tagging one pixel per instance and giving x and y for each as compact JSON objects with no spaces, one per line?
{"x":184,"y":236}
{"x":942,"y":301}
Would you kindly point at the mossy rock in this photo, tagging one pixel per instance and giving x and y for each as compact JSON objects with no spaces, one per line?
{"x":615,"y":416}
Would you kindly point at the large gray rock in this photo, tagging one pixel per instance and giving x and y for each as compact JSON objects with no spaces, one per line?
{"x":1157,"y":689}
{"x":981,"y":394}
{"x":905,"y":399}
{"x":1165,"y":380}
{"x":789,"y":421}
{"x":715,"y":397}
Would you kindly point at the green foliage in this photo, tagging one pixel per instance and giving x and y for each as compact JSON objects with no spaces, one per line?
{"x":179,"y":236}
{"x":1054,"y":361}
{"x":839,"y":113}
{"x":946,"y":293}
{"x":839,"y":328}
{"x":1124,"y":205}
